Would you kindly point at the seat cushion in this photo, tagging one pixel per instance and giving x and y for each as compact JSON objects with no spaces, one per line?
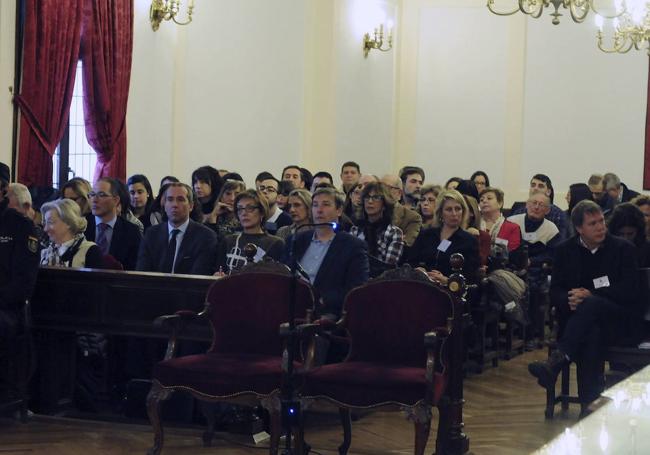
{"x":365,"y":384}
{"x":221,"y":375}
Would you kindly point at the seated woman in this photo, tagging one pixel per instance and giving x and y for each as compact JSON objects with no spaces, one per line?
{"x":481,"y":180}
{"x":427,"y":206}
{"x":627,"y":221}
{"x":299,"y":207}
{"x":385,"y":240}
{"x":502,"y":232}
{"x":223,"y":219}
{"x":77,"y":189}
{"x":68,"y":246}
{"x":433,"y":247}
{"x":452,"y":183}
{"x":252,"y":210}
{"x":577,"y":192}
{"x":207,"y":184}
{"x":141,"y":198}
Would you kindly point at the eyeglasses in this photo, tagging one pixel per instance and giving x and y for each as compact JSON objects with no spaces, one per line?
{"x":248,"y":209}
{"x":537,"y":204}
{"x":267,"y":189}
{"x":373,"y":197}
{"x":99,"y":194}
{"x":430,"y":200}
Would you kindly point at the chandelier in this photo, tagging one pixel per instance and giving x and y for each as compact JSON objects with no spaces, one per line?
{"x":161,"y":10}
{"x":578,"y":9}
{"x":630,"y":30}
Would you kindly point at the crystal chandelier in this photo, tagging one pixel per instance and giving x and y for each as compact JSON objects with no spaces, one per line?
{"x":630,"y":30}
{"x":578,"y":9}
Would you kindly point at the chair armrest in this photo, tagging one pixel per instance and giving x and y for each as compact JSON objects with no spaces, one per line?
{"x":174,"y":323}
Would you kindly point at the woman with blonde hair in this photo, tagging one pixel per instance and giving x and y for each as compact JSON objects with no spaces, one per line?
{"x":68,"y":246}
{"x":299,"y":208}
{"x":77,"y":189}
{"x":434,"y":247}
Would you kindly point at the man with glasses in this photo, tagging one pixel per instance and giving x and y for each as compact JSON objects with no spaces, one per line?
{"x":113,"y":234}
{"x":596,"y":185}
{"x":541,"y":183}
{"x":180,"y":245}
{"x":409,"y":221}
{"x":541,"y":236}
{"x":268,"y":186}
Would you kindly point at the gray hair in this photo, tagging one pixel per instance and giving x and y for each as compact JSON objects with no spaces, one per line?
{"x":582,"y":207}
{"x":69,"y":212}
{"x":612,"y":182}
{"x":339,"y":197}
{"x":21,"y":192}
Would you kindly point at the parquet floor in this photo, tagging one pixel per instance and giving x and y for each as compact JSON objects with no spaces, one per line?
{"x":504,"y":415}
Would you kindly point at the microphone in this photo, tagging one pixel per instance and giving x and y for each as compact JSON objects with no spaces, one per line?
{"x":333,"y":224}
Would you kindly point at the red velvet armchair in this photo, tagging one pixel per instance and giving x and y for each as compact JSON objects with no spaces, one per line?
{"x":244,"y":363}
{"x":405,"y":349}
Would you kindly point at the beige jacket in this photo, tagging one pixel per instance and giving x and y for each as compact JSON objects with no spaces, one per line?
{"x":409,"y":221}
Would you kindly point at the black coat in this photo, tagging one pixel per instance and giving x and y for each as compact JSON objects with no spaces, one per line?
{"x":424,"y":252}
{"x":196,"y":255}
{"x":125,"y":241}
{"x":344,"y":267}
{"x":575,"y":267}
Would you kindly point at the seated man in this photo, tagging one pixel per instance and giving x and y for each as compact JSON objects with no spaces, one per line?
{"x":595,"y":291}
{"x":617,"y":190}
{"x":180,"y":245}
{"x":321,"y":177}
{"x":541,"y":236}
{"x":540,"y":183}
{"x":335,"y":262}
{"x":113,"y":234}
{"x":277,"y":218}
{"x":294,"y":174}
{"x":412,"y":180}
{"x":350,"y":173}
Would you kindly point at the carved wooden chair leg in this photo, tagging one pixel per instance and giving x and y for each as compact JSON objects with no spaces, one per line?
{"x":207,"y":409}
{"x":156,"y":396}
{"x":346,"y":422}
{"x":422,"y":429}
{"x":442,"y":436}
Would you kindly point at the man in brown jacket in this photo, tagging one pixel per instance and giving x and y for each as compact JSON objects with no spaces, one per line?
{"x":408,"y":220}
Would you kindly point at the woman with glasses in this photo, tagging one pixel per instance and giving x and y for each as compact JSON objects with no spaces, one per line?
{"x":385,"y":240}
{"x":299,"y":208}
{"x":223,"y":219}
{"x":252,"y":210}
{"x":434,"y":247}
{"x":77,"y":189}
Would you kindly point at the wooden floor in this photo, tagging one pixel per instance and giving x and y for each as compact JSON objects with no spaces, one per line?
{"x":504,"y":414}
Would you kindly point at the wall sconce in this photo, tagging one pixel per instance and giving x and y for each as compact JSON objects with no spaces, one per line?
{"x":377,"y":42}
{"x":168,"y":10}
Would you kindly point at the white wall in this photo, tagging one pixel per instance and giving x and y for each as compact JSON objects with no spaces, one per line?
{"x":253,"y":85}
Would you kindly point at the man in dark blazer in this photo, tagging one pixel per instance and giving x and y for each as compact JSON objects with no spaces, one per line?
{"x":112,"y":233}
{"x":595,"y":289}
{"x":180,"y":245}
{"x":335,"y":262}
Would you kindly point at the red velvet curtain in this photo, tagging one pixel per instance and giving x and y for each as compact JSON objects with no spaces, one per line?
{"x":50,"y":54}
{"x":646,"y":166}
{"x":106,"y":49}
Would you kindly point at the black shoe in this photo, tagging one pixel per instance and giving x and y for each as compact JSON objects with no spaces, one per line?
{"x":546,"y":372}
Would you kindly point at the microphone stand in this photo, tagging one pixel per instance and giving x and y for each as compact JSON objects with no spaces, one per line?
{"x":290,"y":405}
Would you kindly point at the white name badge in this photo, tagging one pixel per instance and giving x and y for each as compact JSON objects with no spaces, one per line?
{"x":530,"y":237}
{"x":602,"y":282}
{"x":444,"y":245}
{"x":500,"y":241}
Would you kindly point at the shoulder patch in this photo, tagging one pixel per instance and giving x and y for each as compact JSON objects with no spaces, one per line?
{"x":32,"y":244}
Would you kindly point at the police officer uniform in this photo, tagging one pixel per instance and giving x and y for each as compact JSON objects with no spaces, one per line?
{"x":19,"y":258}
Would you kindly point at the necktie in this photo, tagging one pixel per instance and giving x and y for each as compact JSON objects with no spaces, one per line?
{"x":102,"y":240}
{"x":171,"y":252}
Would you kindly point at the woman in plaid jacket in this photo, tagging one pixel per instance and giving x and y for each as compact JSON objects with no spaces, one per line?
{"x":385,"y":240}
